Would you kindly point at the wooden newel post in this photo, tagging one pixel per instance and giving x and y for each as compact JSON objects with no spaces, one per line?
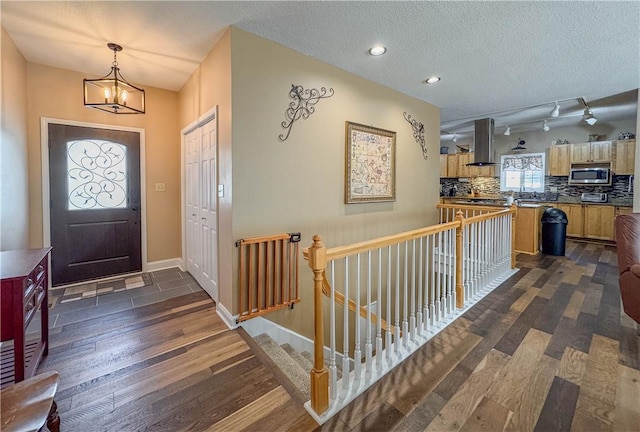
{"x":514,"y":209}
{"x":319,"y":373}
{"x":459,"y":260}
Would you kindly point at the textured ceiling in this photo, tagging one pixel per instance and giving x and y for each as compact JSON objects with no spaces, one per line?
{"x":493,"y":57}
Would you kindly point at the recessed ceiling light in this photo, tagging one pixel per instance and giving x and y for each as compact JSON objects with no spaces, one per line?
{"x":377,"y":50}
{"x":432,"y":80}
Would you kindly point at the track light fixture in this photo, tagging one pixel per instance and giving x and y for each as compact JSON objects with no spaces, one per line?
{"x":455,"y":138}
{"x":588,"y":116}
{"x":507,"y":131}
{"x":555,"y":112}
{"x":545,"y":126}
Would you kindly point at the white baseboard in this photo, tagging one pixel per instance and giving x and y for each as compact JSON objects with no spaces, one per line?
{"x":163,"y":264}
{"x":226,"y":316}
{"x":282,"y":335}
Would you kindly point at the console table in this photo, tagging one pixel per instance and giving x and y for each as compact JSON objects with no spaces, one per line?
{"x":24,"y":286}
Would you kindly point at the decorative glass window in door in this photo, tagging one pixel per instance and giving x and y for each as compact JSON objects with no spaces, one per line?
{"x":522,"y":172}
{"x":96,"y":175}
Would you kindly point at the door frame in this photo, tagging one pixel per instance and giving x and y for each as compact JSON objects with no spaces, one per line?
{"x":204,"y":118}
{"x":46,"y":192}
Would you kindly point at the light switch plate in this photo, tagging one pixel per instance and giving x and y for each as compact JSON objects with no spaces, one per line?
{"x":553,"y":189}
{"x":220,"y":191}
{"x":161,"y":187}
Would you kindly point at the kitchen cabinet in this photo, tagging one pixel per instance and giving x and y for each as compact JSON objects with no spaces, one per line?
{"x":443,"y":165}
{"x":575,"y":218}
{"x":559,"y":160}
{"x":596,"y":151}
{"x":598,"y":222}
{"x":455,"y":166}
{"x":624,"y":158}
{"x":463,"y":160}
{"x":528,"y":229}
{"x":452,"y":165}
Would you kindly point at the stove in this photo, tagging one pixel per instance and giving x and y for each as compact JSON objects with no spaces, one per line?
{"x":594,"y":197}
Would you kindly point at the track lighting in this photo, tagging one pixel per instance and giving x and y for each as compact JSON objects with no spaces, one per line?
{"x":555,"y":112}
{"x":588,"y":117}
{"x":507,"y":131}
{"x":545,"y":126}
{"x":455,"y":138}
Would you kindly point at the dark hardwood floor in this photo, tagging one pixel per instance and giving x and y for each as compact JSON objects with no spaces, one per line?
{"x":548,"y":350}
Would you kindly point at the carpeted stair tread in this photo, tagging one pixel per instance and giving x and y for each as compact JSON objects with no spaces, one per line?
{"x":294,"y":372}
{"x":305,"y":363}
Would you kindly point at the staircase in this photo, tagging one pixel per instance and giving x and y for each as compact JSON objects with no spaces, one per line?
{"x":295,"y":365}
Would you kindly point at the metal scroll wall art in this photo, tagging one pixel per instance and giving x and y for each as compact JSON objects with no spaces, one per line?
{"x":302,"y":106}
{"x":418,"y":132}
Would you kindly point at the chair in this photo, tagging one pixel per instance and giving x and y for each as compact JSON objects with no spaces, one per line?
{"x":628,"y":241}
{"x":28,"y":404}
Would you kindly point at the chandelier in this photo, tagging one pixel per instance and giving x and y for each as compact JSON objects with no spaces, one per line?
{"x":112,"y":93}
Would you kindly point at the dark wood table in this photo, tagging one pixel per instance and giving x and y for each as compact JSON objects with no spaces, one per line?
{"x":24,"y":290}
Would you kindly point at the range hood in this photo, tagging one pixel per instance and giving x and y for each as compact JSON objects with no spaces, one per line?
{"x":483,"y":143}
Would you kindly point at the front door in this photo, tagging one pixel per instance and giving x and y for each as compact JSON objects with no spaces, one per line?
{"x":95,"y":202}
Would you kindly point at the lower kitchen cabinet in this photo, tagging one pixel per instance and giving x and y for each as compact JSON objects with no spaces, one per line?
{"x":592,"y":221}
{"x":598,"y":222}
{"x":528,"y":229}
{"x":575,"y":217}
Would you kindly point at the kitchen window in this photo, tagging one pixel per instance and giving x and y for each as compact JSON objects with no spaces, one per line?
{"x":522,"y":172}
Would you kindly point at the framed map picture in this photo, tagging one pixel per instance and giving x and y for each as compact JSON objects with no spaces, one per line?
{"x":370,"y":164}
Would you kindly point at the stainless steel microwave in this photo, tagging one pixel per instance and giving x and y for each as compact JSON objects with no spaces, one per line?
{"x":590,"y":175}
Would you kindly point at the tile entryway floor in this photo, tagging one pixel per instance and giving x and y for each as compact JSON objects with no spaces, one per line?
{"x":76,"y":303}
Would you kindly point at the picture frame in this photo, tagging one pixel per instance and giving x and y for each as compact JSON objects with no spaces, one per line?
{"x":370,"y":164}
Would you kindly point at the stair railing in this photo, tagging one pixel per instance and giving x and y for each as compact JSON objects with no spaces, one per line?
{"x":418,"y":282}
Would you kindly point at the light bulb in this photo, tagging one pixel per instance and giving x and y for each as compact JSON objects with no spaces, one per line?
{"x":455,"y":138}
{"x":107,"y":95}
{"x":555,"y":112}
{"x":507,"y":131}
{"x":124,"y":95}
{"x":545,"y":126}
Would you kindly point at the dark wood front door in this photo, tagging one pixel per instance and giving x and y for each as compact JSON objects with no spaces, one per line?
{"x":95,"y":202}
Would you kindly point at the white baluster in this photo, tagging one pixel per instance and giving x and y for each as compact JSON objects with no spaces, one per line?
{"x":397,"y":308}
{"x":345,"y":335}
{"x":379,"y":312}
{"x":432,"y":297}
{"x":412,"y":321}
{"x":332,"y":335}
{"x":420,"y":277}
{"x":389,"y":318}
{"x":438,"y":277}
{"x":368,"y":347}
{"x":405,"y":299}
{"x":357,"y":353}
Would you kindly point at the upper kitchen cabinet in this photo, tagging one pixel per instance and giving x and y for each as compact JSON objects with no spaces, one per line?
{"x":625,"y":154}
{"x":559,"y":160}
{"x":597,"y":151}
{"x":443,"y":165}
{"x":452,"y":165}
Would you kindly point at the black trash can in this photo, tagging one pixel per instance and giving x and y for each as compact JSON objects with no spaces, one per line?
{"x":554,"y":231}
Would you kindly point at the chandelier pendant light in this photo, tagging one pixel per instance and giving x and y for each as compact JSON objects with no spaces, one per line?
{"x":112,"y":93}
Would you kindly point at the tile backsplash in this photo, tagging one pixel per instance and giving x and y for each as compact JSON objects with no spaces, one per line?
{"x":619,"y":190}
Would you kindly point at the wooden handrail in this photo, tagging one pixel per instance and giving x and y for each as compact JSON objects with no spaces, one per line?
{"x":339,"y":299}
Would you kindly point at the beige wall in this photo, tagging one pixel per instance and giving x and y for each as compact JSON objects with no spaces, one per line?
{"x":298,"y":185}
{"x":57,"y":93}
{"x":14,"y":165}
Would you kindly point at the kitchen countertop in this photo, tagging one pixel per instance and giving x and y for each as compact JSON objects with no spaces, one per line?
{"x":498,"y":200}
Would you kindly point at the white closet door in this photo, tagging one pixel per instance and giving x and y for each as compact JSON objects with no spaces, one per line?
{"x":192,"y":211}
{"x":209,"y":207}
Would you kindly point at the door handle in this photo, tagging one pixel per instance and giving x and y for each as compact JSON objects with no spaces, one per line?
{"x":204,"y":218}
{"x":134,"y":208}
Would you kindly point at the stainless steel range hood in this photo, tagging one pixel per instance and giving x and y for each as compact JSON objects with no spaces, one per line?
{"x":483,"y":142}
